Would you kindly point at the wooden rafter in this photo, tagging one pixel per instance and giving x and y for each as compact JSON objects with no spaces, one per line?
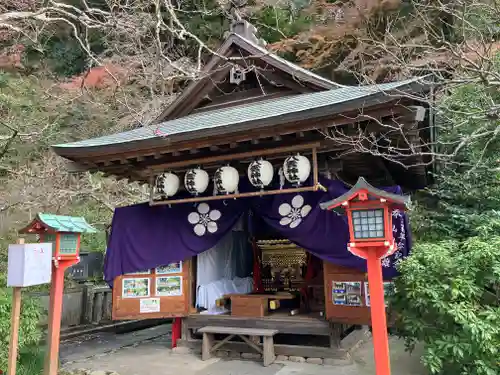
{"x":236,"y":156}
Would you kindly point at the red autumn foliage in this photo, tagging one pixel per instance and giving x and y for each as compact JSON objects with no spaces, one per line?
{"x":11,"y":58}
{"x":98,"y":77}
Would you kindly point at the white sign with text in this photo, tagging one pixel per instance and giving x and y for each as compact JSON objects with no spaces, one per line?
{"x":150,"y":305}
{"x":29,"y":264}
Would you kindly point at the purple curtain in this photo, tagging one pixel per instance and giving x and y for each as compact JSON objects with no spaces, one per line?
{"x":144,"y":237}
{"x":325,"y":234}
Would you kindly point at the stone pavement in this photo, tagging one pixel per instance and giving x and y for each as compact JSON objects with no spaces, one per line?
{"x":149,"y":355}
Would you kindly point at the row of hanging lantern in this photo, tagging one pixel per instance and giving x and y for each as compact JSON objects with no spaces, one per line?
{"x":296,"y":170}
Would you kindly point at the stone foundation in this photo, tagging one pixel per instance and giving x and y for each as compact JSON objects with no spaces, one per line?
{"x":341,"y":355}
{"x":86,"y":372}
{"x":280,"y":358}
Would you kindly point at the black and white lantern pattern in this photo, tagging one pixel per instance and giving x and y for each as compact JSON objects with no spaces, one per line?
{"x":196,"y":181}
{"x":297,"y":169}
{"x":260,"y":173}
{"x":167,"y":184}
{"x":226,"y":180}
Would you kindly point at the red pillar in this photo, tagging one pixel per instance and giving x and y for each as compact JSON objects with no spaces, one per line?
{"x":378,"y":315}
{"x":176,"y":331}
{"x":55,"y":314}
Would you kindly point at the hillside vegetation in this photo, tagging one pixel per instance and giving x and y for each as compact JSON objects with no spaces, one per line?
{"x":54,"y":89}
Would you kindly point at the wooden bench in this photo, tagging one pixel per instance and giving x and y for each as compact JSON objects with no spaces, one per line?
{"x":209,"y":345}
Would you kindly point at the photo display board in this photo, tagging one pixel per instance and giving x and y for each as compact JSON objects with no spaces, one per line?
{"x":158,"y":293}
{"x":347,"y":295}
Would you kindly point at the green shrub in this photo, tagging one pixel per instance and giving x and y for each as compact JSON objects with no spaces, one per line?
{"x":61,"y":53}
{"x":448,"y":294}
{"x":29,"y":332}
{"x":31,"y":361}
{"x":448,"y":298}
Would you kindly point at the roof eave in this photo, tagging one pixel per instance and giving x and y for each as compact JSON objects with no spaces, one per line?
{"x":82,"y":225}
{"x":377,"y":98}
{"x":269,"y":57}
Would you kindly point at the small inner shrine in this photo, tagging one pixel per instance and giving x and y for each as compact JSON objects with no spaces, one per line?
{"x":283,"y":265}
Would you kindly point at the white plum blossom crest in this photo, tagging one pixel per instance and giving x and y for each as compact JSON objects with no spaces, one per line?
{"x":293,"y":214}
{"x":204,"y":219}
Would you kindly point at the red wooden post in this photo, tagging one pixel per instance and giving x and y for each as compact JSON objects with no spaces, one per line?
{"x":176,"y":331}
{"x":378,"y":315}
{"x":369,"y":216}
{"x":55,"y":315}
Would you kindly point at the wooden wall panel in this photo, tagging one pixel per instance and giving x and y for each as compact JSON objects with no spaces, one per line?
{"x":339,"y":313}
{"x":347,"y":314}
{"x":170,"y":306}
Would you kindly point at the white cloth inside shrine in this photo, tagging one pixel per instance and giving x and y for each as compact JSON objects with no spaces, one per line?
{"x":224,"y":269}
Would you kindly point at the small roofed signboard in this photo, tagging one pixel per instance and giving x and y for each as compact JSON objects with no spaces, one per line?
{"x":29,"y":264}
{"x":62,"y":231}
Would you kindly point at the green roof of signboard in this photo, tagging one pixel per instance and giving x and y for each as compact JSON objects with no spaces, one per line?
{"x":67,"y":223}
{"x":59,"y":223}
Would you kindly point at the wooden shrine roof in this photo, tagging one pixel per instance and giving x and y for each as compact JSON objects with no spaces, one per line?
{"x":252,"y":49}
{"x":275,"y":107}
{"x":263,"y":114}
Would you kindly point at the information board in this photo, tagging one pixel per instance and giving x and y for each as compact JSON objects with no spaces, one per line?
{"x":29,"y":264}
{"x":162,"y":292}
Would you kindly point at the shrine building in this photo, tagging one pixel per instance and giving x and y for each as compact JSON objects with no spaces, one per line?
{"x":232,"y":242}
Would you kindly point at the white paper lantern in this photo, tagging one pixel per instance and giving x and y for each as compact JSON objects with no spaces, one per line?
{"x":297,"y":169}
{"x":196,"y":181}
{"x":226,"y":180}
{"x":167,"y":184}
{"x":260,"y":173}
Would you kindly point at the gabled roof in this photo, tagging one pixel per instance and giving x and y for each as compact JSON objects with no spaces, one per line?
{"x":362,"y":184}
{"x":250,"y":116}
{"x":59,"y":223}
{"x":235,"y":40}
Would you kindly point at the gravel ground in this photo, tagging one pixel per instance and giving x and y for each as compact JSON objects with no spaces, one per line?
{"x":147,"y":352}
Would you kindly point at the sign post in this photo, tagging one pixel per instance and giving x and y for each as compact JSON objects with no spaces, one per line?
{"x":14,"y":330}
{"x":63,"y":235}
{"x":14,"y":326}
{"x":28,"y":265}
